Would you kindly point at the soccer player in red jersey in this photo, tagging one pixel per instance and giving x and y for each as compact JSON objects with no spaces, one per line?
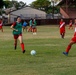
{"x":62,"y":28}
{"x":70,"y":24}
{"x":73,"y":41}
{"x":17,"y":32}
{"x":1,"y":25}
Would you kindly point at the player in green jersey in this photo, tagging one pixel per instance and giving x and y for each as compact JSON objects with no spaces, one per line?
{"x":34,"y":28}
{"x":17,"y":32}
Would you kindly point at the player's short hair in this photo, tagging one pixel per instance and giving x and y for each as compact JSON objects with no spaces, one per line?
{"x":18,"y":17}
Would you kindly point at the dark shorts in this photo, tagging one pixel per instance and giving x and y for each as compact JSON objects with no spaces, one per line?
{"x":16,"y":36}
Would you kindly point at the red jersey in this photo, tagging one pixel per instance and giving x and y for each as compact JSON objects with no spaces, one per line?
{"x":62,"y":27}
{"x":70,"y":24}
{"x":62,"y":24}
{"x":1,"y":23}
{"x":74,"y":38}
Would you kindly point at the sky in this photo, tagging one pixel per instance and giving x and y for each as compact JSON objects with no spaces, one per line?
{"x":27,"y":1}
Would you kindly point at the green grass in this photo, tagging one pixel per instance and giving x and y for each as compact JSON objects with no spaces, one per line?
{"x":49,"y":59}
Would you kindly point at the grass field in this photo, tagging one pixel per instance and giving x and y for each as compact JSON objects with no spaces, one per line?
{"x":49,"y":59}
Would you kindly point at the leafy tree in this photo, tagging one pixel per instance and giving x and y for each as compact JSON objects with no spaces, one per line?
{"x":8,"y":4}
{"x":45,"y":5}
{"x":19,"y":4}
{"x":22,"y":4}
{"x":41,"y":4}
{"x":1,"y":3}
{"x":1,"y":6}
{"x":16,"y":4}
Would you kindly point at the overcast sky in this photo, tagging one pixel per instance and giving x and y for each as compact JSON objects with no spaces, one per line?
{"x":27,"y":1}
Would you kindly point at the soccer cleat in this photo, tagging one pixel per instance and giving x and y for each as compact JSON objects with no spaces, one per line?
{"x":15,"y":47}
{"x":65,"y":53}
{"x":23,"y":51}
{"x":34,"y":33}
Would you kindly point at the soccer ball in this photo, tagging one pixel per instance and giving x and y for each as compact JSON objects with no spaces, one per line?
{"x":33,"y":52}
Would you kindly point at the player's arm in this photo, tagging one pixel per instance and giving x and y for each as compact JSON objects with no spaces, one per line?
{"x":12,"y":27}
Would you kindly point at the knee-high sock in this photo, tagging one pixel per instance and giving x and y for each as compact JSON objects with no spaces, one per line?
{"x":35,"y":30}
{"x":68,"y":49}
{"x":22,"y":46}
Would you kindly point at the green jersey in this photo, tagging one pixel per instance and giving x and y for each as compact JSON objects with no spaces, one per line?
{"x":17,"y":26}
{"x":30,"y":23}
{"x":35,"y":23}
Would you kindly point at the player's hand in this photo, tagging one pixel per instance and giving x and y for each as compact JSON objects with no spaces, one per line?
{"x":16,"y":30}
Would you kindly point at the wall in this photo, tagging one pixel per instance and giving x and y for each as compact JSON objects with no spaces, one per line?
{"x":48,"y":21}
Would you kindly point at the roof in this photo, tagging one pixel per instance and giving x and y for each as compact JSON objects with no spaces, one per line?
{"x":27,"y":10}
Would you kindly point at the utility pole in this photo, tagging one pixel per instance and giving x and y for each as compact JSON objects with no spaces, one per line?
{"x":52,"y":8}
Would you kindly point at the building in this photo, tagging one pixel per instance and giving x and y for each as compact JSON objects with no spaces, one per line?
{"x":68,"y":8}
{"x":27,"y":13}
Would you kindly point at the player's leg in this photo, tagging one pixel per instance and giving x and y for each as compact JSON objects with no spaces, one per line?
{"x":29,"y":29}
{"x":23,"y":28}
{"x":15,"y":41}
{"x":15,"y":44}
{"x":69,"y":47}
{"x":21,"y":43}
{"x":63,"y":35}
{"x":2,"y":29}
{"x":26,"y":28}
{"x":35,"y":30}
{"x":69,"y":27}
{"x":72,"y":27}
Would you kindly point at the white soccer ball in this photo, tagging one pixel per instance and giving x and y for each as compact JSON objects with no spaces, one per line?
{"x":33,"y":52}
